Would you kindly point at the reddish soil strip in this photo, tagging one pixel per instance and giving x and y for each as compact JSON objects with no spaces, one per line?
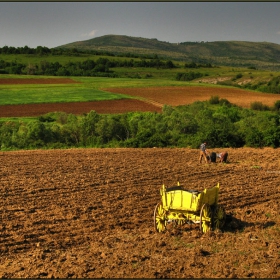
{"x":175,"y":96}
{"x":22,"y":81}
{"x":101,"y":107}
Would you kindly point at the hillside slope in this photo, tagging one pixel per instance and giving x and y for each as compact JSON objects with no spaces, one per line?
{"x":220,"y":52}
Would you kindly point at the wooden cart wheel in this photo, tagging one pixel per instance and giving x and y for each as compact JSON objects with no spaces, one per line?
{"x":159,"y":218}
{"x":205,"y":218}
{"x":219,"y":217}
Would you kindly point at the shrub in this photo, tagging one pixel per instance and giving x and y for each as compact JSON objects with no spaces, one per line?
{"x":276,"y":106}
{"x":188,"y":76}
{"x":46,"y":118}
{"x":225,"y":102}
{"x":259,"y":106}
{"x":214,"y":99}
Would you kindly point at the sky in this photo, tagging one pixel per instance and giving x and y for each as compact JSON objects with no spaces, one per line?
{"x":53,"y":24}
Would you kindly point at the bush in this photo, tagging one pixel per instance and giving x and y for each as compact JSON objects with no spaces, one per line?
{"x":276,"y":106}
{"x":46,"y":118}
{"x":214,"y":99}
{"x":259,"y":106}
{"x":188,"y":76}
{"x":225,"y":102}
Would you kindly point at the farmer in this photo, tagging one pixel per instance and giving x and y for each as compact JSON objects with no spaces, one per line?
{"x":203,"y":152}
{"x":223,"y":156}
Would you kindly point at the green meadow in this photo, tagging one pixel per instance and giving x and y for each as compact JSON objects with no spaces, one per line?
{"x":28,"y":94}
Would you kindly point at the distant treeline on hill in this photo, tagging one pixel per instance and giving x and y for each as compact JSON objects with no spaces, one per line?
{"x":68,"y":51}
{"x":99,"y":67}
{"x":89,"y":67}
{"x":218,"y":121}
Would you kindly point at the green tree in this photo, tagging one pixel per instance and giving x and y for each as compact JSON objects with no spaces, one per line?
{"x":62,"y":71}
{"x":38,"y":135}
{"x":6,"y":132}
{"x":104,"y":129}
{"x":88,"y":130}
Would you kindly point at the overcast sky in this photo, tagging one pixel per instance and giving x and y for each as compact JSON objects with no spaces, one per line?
{"x":52,"y":24}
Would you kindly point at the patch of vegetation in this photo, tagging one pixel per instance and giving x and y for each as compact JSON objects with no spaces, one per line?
{"x":259,"y":106}
{"x":238,"y":76}
{"x":31,"y":94}
{"x":198,"y":65}
{"x":189,"y":76}
{"x":222,"y":124}
{"x":217,"y":100}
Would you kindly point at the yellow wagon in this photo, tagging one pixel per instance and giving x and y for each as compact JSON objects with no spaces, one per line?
{"x":180,"y":206}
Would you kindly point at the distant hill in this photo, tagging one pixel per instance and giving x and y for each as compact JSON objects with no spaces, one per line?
{"x":234,"y":53}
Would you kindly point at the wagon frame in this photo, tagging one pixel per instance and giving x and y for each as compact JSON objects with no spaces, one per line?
{"x":187,"y":206}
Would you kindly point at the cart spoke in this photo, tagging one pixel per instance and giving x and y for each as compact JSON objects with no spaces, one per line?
{"x":219,"y":217}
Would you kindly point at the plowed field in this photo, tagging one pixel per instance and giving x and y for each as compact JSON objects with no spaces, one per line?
{"x":88,"y":213}
{"x":175,"y":96}
{"x":78,"y":108}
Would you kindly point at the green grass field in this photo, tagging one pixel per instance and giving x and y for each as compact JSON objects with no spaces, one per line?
{"x":53,"y":94}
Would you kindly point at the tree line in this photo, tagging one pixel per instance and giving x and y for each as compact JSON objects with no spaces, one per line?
{"x":88,"y":67}
{"x":43,"y":51}
{"x":218,"y":121}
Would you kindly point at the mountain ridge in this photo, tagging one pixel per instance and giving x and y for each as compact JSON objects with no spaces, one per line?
{"x":219,"y":52}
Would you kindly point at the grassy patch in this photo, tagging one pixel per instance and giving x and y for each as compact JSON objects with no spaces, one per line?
{"x":29,"y":94}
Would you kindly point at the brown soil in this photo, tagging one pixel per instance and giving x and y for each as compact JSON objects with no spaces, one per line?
{"x":175,"y":96}
{"x":26,"y":81}
{"x":101,"y":107}
{"x":88,"y":213}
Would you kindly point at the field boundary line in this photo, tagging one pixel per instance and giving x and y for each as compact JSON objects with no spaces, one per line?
{"x":149,"y":101}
